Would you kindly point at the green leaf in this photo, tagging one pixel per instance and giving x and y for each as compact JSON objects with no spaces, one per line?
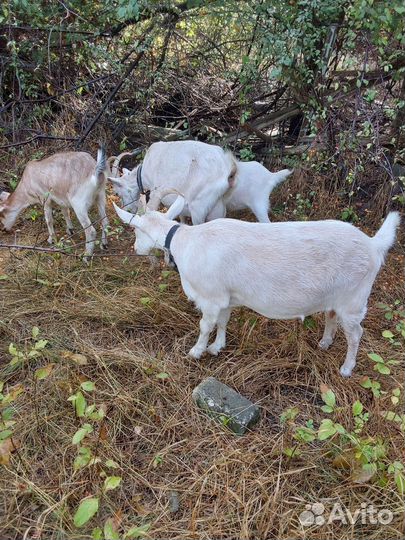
{"x":83,"y":458}
{"x":41,"y":344}
{"x":43,"y":373}
{"x":327,"y":409}
{"x":145,"y":300}
{"x":97,"y":534}
{"x":375,"y":358}
{"x":35,"y":332}
{"x":166,"y":273}
{"x":340,"y":429}
{"x":329,"y":398}
{"x":327,"y":429}
{"x":12,"y":349}
{"x":289,"y":414}
{"x":81,"y":433}
{"x":305,"y":434}
{"x":396,"y":392}
{"x":88,"y":386}
{"x":112,"y":464}
{"x":87,"y":509}
{"x":391,"y":416}
{"x":137,"y":532}
{"x":162,"y":375}
{"x":112,"y":482}
{"x":163,"y":287}
{"x":400,"y":482}
{"x":5,"y":434}
{"x":80,"y":404}
{"x":292,"y":452}
{"x":110,"y":532}
{"x":357,"y":408}
{"x":387,"y":334}
{"x":90,"y":409}
{"x":382,"y":368}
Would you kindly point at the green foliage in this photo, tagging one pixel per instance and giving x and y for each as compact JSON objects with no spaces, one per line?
{"x":32,"y":350}
{"x":137,"y":532}
{"x":365,"y":455}
{"x":246,"y":154}
{"x":112,"y":482}
{"x":86,"y":510}
{"x":381,"y":365}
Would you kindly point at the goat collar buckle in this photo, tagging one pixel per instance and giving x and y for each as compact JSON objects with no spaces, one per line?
{"x":168,"y":241}
{"x":140,"y":184}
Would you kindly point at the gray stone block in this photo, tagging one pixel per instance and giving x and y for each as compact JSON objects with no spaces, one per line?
{"x":226,"y":405}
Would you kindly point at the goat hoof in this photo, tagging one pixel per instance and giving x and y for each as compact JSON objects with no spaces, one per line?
{"x":104,"y":246}
{"x":325,"y":344}
{"x":214,"y":350}
{"x":345,"y":372}
{"x":51,"y":240}
{"x":195,"y":353}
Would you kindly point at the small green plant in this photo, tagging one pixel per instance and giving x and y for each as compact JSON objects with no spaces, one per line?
{"x":7,"y":421}
{"x":381,"y":365}
{"x":34,"y":214}
{"x":303,"y":204}
{"x":329,"y":398}
{"x":309,"y":323}
{"x":32,"y":350}
{"x":349,"y":214}
{"x":393,"y":311}
{"x":374,"y":386}
{"x":246,"y":154}
{"x":157,"y":461}
{"x":366,"y":456}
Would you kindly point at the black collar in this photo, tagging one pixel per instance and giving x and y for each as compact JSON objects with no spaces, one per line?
{"x":168,"y":241}
{"x":140,"y":184}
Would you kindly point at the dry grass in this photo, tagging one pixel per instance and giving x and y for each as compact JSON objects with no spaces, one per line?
{"x":229,"y":487}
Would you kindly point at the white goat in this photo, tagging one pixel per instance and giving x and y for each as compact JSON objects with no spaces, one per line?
{"x":280,"y":270}
{"x":203,"y":173}
{"x":69,"y":179}
{"x":253,"y":186}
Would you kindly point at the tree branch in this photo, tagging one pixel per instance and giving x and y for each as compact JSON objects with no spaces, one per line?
{"x":115,"y":90}
{"x":37,"y":137}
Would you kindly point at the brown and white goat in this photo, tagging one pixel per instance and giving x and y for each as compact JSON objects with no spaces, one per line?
{"x":69,"y":179}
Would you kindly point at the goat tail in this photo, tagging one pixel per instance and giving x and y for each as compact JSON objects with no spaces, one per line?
{"x":101,"y":165}
{"x":233,"y":164}
{"x":386,"y":234}
{"x":279,"y":177}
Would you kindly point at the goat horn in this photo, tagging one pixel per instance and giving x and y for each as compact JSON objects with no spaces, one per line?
{"x":157,"y":195}
{"x":114,"y":168}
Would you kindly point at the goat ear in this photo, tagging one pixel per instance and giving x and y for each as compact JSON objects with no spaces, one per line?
{"x":126,"y":217}
{"x":4,"y":195}
{"x":115,"y":181}
{"x":176,"y":208}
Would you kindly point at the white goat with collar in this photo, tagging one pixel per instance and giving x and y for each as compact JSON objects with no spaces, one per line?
{"x":202,"y":172}
{"x":280,"y":270}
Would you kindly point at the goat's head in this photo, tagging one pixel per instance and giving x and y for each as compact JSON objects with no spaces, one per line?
{"x":126,"y":187}
{"x":150,"y":226}
{"x":7,"y":215}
